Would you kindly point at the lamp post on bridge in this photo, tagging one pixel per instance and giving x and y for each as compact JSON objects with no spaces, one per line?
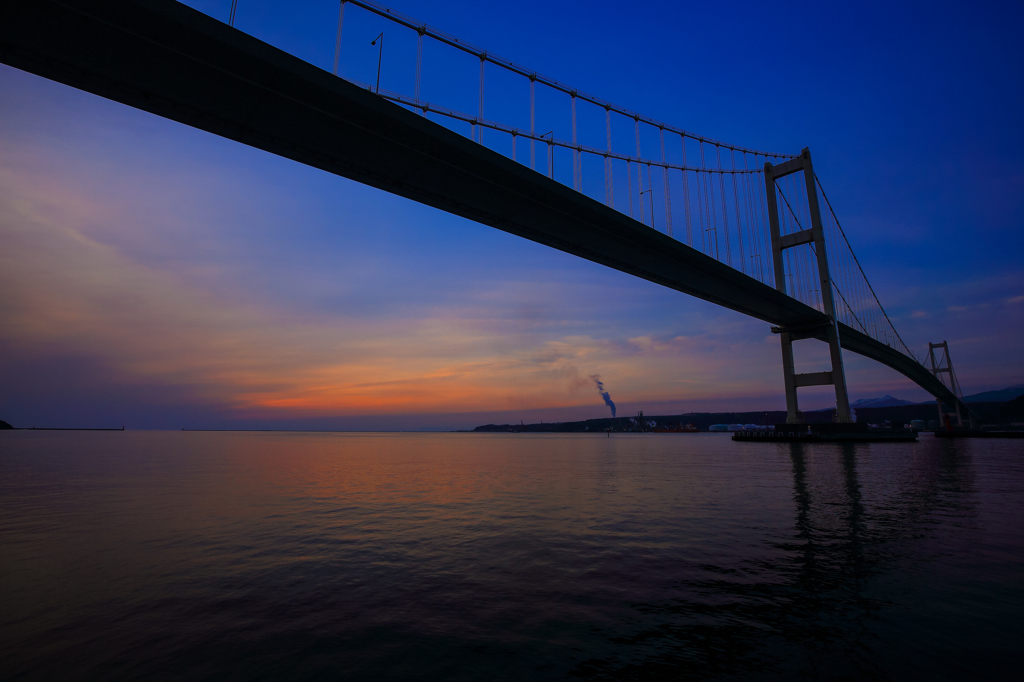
{"x":649,"y":190}
{"x":380,"y":54}
{"x":551,"y":158}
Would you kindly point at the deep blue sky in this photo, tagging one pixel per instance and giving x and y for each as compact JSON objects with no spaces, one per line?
{"x":160,"y":276}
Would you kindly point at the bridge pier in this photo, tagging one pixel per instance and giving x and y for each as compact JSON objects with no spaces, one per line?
{"x":814,"y":237}
{"x":793,"y":415}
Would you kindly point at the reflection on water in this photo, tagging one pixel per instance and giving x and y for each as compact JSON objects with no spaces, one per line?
{"x":506,"y":556}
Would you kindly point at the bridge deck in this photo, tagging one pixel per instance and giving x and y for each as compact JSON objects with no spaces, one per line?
{"x":167,"y":59}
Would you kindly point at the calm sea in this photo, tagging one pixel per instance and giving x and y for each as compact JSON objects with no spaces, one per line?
{"x":286,"y":556}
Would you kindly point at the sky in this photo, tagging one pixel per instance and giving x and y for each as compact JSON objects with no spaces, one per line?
{"x":157,"y":276}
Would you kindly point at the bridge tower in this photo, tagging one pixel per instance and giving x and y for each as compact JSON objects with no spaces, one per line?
{"x":944,"y":365}
{"x":814,"y":235}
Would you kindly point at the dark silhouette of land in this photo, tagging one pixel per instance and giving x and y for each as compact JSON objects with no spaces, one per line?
{"x":702,"y":420}
{"x":1012,"y":411}
{"x":5,"y":426}
{"x":987,"y":412}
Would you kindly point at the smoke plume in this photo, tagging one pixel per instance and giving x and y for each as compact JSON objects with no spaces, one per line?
{"x":604,"y":393}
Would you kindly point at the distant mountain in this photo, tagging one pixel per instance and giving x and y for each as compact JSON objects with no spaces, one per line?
{"x":887,"y":401}
{"x":1012,"y":411}
{"x":1000,"y":396}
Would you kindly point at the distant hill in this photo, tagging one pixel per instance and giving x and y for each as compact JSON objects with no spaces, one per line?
{"x":1001,"y":396}
{"x":5,"y":425}
{"x":987,"y":413}
{"x":887,"y":401}
{"x":1013,"y":411}
{"x":901,"y":413}
{"x":702,"y":420}
{"x":986,"y":407}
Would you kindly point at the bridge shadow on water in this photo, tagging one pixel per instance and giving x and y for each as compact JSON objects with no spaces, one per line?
{"x":828,"y":600}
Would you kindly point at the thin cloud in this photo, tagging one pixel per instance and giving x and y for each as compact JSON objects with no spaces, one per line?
{"x":69,"y":294}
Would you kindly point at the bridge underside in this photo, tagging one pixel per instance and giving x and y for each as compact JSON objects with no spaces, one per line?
{"x":165,"y":58}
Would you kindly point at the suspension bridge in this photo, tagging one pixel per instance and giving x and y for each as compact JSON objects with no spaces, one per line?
{"x":746,"y":229}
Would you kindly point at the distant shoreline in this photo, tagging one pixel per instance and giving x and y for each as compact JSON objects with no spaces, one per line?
{"x":990,"y":413}
{"x":986,"y":411}
{"x":57,"y":428}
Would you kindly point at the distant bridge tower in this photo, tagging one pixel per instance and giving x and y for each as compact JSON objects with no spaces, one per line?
{"x":944,"y":365}
{"x":815,"y":236}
